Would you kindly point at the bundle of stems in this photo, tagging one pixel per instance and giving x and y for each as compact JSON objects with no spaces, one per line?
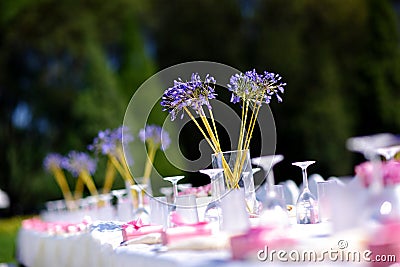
{"x":209,"y":132}
{"x":63,"y":184}
{"x":246,"y":130}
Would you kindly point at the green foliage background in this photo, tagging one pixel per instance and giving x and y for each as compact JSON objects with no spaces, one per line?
{"x":74,"y":65}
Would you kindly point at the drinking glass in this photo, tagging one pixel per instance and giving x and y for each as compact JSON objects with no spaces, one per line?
{"x":124,"y":206}
{"x":388,"y":152}
{"x":174,"y":180}
{"x":324,"y":190}
{"x":307,"y":205}
{"x":140,"y":212}
{"x":234,"y":212}
{"x":238,"y":173}
{"x":167,"y":192}
{"x":271,"y":200}
{"x":368,"y":145}
{"x":159,"y":211}
{"x":186,"y":208}
{"x":213,"y":212}
{"x":376,"y":197}
{"x":274,"y":210}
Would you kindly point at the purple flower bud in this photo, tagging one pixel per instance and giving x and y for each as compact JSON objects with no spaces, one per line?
{"x":155,"y":134}
{"x":53,"y":160}
{"x":194,"y":93}
{"x":76,"y":162}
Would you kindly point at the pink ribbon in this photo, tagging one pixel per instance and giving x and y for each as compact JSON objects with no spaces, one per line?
{"x":184,"y":230}
{"x":137,"y":228}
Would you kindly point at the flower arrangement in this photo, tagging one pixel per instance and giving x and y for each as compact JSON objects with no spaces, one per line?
{"x":250,"y":89}
{"x":155,"y":138}
{"x":109,"y":143}
{"x":390,"y":171}
{"x":53,"y":163}
{"x":82,"y":166}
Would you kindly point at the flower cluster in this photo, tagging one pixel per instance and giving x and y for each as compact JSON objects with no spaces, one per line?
{"x":390,"y":171}
{"x":54,"y":163}
{"x":155,"y":135}
{"x":109,"y":141}
{"x":194,"y":93}
{"x":201,"y":191}
{"x":53,"y":160}
{"x":252,"y":86}
{"x":76,"y":162}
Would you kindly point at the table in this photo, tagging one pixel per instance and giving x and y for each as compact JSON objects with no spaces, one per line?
{"x":102,"y":248}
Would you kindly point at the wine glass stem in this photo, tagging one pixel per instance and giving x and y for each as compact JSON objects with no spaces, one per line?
{"x":140,"y":198}
{"x":175,"y":189}
{"x":305,"y":181}
{"x":270,"y":180}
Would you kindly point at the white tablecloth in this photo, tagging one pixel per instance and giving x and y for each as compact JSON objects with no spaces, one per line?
{"x":101,"y":248}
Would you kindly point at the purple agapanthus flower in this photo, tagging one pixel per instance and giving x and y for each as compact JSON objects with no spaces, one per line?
{"x":76,"y":162}
{"x":53,"y":160}
{"x":155,"y":134}
{"x":194,"y":93}
{"x":252,"y":86}
{"x":108,"y":141}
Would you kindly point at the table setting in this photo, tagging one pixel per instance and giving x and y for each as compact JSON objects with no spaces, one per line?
{"x":230,"y":221}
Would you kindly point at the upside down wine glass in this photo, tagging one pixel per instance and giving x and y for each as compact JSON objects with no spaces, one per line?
{"x":388,"y":152}
{"x":380,"y":202}
{"x":174,"y":181}
{"x":213,"y":211}
{"x":267,"y":163}
{"x":140,"y":212}
{"x":307,"y":205}
{"x":274,"y":207}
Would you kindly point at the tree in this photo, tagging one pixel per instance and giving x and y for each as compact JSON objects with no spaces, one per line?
{"x":64,"y":77}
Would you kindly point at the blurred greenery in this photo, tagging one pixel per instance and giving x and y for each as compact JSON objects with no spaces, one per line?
{"x":69,"y":68}
{"x":8,"y":233}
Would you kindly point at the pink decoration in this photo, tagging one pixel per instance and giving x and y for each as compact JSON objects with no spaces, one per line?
{"x":390,"y":171}
{"x":201,"y":191}
{"x":134,"y":229}
{"x":245,"y":245}
{"x":36,"y":224}
{"x":184,"y":230}
{"x":385,"y":242}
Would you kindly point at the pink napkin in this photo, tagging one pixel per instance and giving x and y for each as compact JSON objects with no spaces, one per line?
{"x":183,"y":230}
{"x":385,"y":242}
{"x":134,"y":229}
{"x":258,"y":238}
{"x":390,"y":171}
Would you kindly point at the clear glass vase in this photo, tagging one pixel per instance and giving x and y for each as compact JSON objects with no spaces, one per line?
{"x":237,"y":174}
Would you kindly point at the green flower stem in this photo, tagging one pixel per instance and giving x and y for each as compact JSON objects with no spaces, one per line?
{"x":201,"y":130}
{"x":121,"y":170}
{"x":241,"y":129}
{"x":88,"y":181}
{"x":62,"y":183}
{"x":211,"y":133}
{"x":78,"y":188}
{"x":125,"y":165}
{"x":215,"y":128}
{"x":250,"y":132}
{"x":149,"y":162}
{"x":110,"y":176}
